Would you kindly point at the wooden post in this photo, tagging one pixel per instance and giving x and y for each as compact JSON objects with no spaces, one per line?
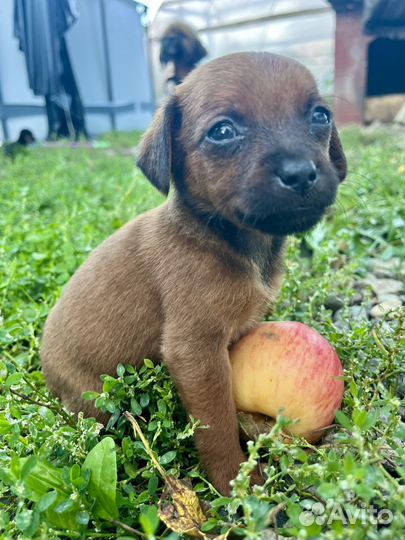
{"x":350,"y":67}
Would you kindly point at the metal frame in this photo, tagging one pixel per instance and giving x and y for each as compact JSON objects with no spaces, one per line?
{"x":3,"y":116}
{"x":266,"y":18}
{"x":245,"y":22}
{"x":106,"y":51}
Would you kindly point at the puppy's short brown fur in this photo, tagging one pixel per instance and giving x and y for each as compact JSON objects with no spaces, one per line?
{"x":252,"y":155}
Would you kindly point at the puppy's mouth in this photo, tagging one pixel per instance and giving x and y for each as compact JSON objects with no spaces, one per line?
{"x":300,"y":220}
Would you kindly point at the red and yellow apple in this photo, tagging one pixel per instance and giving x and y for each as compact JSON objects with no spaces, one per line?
{"x":289,"y":366}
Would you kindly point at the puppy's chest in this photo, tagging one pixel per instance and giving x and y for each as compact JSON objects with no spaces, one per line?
{"x":262,"y":287}
{"x":268,"y":262}
{"x":258,"y":298}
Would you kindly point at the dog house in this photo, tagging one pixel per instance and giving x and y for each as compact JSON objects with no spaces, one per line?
{"x":369,"y":59}
{"x":107,"y":47}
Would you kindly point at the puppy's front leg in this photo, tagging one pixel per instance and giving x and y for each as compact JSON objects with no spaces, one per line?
{"x":198,"y":361}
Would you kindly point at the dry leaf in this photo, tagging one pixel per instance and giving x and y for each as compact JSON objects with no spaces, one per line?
{"x":180,"y":509}
{"x":179,"y":506}
{"x":251,"y":425}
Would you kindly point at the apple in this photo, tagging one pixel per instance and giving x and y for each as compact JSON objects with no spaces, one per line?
{"x":289,"y":366}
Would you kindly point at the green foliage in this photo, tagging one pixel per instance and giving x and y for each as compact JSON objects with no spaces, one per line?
{"x":101,"y":463}
{"x":66,"y":477}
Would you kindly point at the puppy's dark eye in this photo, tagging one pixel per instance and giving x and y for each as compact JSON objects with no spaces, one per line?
{"x":320,"y":116}
{"x":222,"y":132}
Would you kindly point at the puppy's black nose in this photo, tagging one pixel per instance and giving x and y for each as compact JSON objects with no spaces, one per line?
{"x":298,"y":174}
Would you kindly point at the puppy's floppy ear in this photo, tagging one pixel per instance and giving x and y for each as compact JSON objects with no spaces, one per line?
{"x":198,"y":51}
{"x":336,"y":154}
{"x":155,"y":154}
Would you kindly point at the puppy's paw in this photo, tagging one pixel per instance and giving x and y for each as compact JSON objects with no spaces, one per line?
{"x":221,"y":472}
{"x":221,"y":478}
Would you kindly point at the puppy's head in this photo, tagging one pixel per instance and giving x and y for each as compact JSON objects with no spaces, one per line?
{"x":179,"y":43}
{"x":247,"y":138}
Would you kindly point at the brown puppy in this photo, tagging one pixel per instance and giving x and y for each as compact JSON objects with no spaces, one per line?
{"x":250,"y":162}
{"x":180,"y":45}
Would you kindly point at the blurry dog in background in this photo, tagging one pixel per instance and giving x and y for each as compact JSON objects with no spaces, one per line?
{"x":180,"y":51}
{"x":25,"y":138}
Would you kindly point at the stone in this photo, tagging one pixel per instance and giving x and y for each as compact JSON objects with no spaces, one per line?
{"x":344,"y":319}
{"x":385,"y":269}
{"x":365,"y":283}
{"x":380,"y":310}
{"x":333,"y":302}
{"x":390,"y":298}
{"x":387,"y":328}
{"x":387,"y":286}
{"x":358,"y":312}
{"x":356,"y":299}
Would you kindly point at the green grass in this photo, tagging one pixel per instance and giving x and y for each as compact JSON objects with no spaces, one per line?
{"x":62,"y":477}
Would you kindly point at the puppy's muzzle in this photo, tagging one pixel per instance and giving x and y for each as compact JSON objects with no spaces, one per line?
{"x":297,"y":175}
